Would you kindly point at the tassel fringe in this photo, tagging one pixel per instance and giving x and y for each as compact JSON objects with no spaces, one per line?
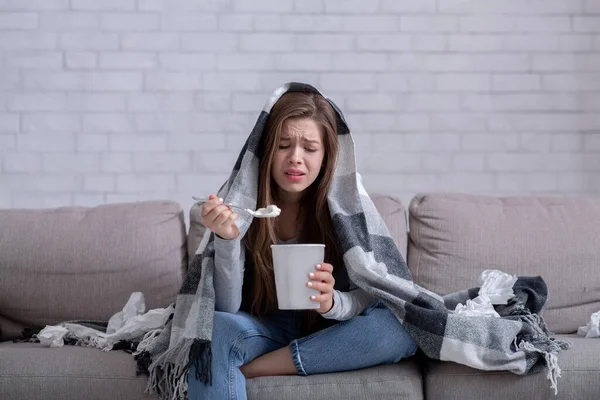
{"x":169,"y":372}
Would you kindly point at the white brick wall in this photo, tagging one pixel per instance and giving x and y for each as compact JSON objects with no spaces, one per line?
{"x":125,"y":100}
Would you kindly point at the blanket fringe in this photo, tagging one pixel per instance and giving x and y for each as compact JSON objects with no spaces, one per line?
{"x":538,"y":340}
{"x":147,"y":340}
{"x":201,"y":358}
{"x":554,"y":371}
{"x":541,"y":342}
{"x":168,"y":373}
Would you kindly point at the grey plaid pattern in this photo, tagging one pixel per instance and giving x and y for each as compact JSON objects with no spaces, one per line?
{"x":518,"y":342}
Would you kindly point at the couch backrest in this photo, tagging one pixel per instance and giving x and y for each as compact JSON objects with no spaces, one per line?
{"x":391,"y":209}
{"x":454,"y":237}
{"x":84,"y":263}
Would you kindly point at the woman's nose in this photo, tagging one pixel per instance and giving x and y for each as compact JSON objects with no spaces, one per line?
{"x":295,"y":157}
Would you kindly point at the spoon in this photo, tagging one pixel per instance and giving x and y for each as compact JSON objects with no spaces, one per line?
{"x":268,"y":212}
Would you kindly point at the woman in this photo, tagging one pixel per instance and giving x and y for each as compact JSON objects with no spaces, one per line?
{"x":298,"y":153}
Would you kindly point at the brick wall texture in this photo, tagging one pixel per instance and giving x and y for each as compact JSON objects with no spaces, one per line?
{"x":125,"y":100}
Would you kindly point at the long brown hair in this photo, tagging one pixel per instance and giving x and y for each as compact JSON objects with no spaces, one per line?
{"x":317,"y":226}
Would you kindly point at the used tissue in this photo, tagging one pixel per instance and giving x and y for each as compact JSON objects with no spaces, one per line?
{"x":479,"y":306}
{"x":52,"y":336}
{"x":138,"y":325}
{"x":496,"y":288}
{"x":136,"y":305}
{"x":130,"y":323}
{"x":497,"y":285}
{"x":592,"y":329}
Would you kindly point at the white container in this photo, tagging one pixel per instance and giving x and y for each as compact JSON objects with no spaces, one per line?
{"x":291,"y":264}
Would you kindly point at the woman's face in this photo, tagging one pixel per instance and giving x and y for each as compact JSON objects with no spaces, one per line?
{"x":299,"y":158}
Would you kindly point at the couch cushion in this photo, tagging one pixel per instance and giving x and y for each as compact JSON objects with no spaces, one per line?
{"x":454,"y":237}
{"x":397,"y":381}
{"x":84,"y":263}
{"x":29,"y":371}
{"x":391,"y":209}
{"x":580,"y":371}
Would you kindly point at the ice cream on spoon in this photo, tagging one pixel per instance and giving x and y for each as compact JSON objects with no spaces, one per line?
{"x":270,"y":211}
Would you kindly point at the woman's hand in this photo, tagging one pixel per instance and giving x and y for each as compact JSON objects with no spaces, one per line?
{"x":322,"y":280}
{"x":219,"y":218}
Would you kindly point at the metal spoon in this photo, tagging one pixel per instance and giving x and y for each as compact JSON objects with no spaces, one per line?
{"x":268,"y":212}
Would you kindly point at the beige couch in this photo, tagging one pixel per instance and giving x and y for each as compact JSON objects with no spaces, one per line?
{"x":76,"y":262}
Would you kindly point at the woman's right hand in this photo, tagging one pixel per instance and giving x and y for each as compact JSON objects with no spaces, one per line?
{"x":219,"y":218}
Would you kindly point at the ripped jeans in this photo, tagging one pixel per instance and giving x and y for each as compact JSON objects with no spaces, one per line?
{"x":376,"y":335}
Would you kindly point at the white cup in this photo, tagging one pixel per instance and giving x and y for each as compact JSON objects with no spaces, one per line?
{"x":291,"y":264}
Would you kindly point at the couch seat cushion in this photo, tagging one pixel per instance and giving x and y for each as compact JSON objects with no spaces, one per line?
{"x":580,"y":371}
{"x":30,"y":371}
{"x":397,"y":381}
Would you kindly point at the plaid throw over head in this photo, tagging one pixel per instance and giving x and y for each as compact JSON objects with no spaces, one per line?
{"x":518,"y":341}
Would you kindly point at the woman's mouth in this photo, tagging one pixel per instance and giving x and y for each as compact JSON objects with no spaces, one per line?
{"x":294,"y":176}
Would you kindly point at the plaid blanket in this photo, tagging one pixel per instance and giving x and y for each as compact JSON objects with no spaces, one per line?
{"x":518,"y":341}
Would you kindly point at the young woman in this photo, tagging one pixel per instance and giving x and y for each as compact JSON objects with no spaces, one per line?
{"x":251,"y":337}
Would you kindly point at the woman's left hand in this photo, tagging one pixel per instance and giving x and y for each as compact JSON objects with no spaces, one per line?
{"x":322,"y":280}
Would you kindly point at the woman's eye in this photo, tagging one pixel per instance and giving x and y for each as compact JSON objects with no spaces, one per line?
{"x":284,"y":147}
{"x":311,"y":150}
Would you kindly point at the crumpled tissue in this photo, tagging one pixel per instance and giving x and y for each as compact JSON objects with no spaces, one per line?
{"x":140,"y":324}
{"x":52,"y":336}
{"x":130,"y":323}
{"x":496,"y":288}
{"x":592,"y":329}
{"x":479,"y":306}
{"x":497,"y":285}
{"x":136,"y":305}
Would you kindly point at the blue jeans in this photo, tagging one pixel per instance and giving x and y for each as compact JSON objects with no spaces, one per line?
{"x":372,"y":338}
